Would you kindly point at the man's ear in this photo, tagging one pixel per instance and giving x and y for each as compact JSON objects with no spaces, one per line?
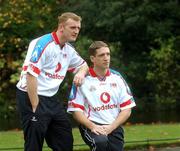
{"x":60,"y":27}
{"x":92,"y":58}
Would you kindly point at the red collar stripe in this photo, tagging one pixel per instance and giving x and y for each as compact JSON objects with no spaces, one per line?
{"x":93,"y":74}
{"x":55,"y":38}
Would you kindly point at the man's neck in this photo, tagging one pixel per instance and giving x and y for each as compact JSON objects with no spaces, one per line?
{"x":100,"y":72}
{"x":60,"y":38}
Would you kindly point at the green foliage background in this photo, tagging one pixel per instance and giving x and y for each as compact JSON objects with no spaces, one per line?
{"x":144,"y":37}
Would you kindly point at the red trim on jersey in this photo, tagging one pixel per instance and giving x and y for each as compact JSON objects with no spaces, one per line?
{"x":71,"y":70}
{"x":55,"y":37}
{"x":77,"y":106}
{"x":125,"y":103}
{"x":24,"y":68}
{"x":34,"y":69}
{"x":93,"y":74}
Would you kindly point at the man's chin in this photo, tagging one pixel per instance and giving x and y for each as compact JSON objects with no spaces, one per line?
{"x":72,"y":40}
{"x":106,"y":67}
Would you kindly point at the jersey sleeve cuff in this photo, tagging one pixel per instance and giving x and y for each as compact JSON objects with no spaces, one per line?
{"x":74,"y":70}
{"x":33,"y":70}
{"x":74,"y":106}
{"x":70,"y":110}
{"x":131,"y":105}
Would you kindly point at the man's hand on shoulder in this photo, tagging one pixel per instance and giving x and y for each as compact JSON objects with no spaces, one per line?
{"x":80,"y":75}
{"x":78,"y":79}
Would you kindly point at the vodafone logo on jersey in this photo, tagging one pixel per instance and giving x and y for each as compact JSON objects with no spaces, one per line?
{"x":58,"y":67}
{"x":105,"y":107}
{"x":55,"y":75}
{"x":105,"y":97}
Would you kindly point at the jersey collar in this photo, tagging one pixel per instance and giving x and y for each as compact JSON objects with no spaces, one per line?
{"x":93,"y":74}
{"x":55,"y":37}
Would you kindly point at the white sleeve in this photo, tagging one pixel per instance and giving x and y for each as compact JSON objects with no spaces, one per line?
{"x":126,"y":98}
{"x":76,"y":100}
{"x":75,"y":63}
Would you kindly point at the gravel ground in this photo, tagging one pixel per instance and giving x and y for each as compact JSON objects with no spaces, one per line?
{"x":159,"y":149}
{"x":170,"y":149}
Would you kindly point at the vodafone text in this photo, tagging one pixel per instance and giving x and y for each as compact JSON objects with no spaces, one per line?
{"x":105,"y":107}
{"x":54,"y":76}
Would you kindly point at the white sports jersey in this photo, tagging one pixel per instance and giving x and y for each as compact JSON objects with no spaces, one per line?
{"x":47,"y":61}
{"x":101,"y":100}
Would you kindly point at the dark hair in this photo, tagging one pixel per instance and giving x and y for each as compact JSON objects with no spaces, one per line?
{"x":96,"y":45}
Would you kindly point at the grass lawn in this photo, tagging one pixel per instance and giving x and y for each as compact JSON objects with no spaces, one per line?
{"x":135,"y":136}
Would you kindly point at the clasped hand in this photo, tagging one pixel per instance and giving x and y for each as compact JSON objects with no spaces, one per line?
{"x":102,"y":129}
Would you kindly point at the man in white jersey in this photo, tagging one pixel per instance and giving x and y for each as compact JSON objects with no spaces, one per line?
{"x":48,"y":59}
{"x":102,"y":103}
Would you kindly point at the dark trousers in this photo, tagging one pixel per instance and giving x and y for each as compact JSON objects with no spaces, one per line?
{"x":49,"y":122}
{"x":112,"y":142}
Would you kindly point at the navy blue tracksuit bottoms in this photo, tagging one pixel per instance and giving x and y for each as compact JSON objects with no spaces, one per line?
{"x":112,"y":142}
{"x":49,"y":122}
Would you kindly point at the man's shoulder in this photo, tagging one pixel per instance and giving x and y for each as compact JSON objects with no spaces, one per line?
{"x":114,"y":72}
{"x":43,"y":40}
{"x":88,"y":79}
{"x":116,"y":75}
{"x":70,"y":45}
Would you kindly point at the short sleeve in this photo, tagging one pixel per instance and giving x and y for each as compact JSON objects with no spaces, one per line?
{"x":37,"y":54}
{"x":127,"y":100}
{"x":76,"y":100}
{"x":75,"y":63}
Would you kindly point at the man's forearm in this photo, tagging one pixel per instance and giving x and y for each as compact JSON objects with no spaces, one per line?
{"x":84,"y":69}
{"x":82,"y":119}
{"x":79,"y":77}
{"x":32,"y":91}
{"x":122,"y":118}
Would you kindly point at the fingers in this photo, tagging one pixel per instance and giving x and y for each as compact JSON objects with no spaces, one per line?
{"x":78,"y":80}
{"x":99,"y":130}
{"x":107,"y":128}
{"x":96,"y":132}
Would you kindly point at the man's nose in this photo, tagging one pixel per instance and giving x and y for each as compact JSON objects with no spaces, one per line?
{"x":106,"y":56}
{"x":76,"y":30}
